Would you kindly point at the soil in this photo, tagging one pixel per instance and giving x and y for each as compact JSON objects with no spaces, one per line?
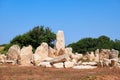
{"x":9,"y":72}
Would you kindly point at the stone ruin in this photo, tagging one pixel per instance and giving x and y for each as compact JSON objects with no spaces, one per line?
{"x":59,"y":56}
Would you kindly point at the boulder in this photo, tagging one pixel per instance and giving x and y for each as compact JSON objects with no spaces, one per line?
{"x":60,"y":52}
{"x":86,"y":57}
{"x":13,"y":53}
{"x":41,"y":53}
{"x":74,"y":61}
{"x":91,"y":56}
{"x":77,"y":57}
{"x":48,"y":59}
{"x":58,"y":65}
{"x":90,"y":63}
{"x":68,"y":64}
{"x":61,"y":58}
{"x":114,"y":54}
{"x":114,"y":63}
{"x":68,"y":50}
{"x":13,"y":62}
{"x":37,"y":59}
{"x":44,"y":64}
{"x":106,"y":62}
{"x":2,"y":58}
{"x":104,"y":54}
{"x":51,"y":52}
{"x":97,"y":55}
{"x":84,"y":67}
{"x":42,"y":50}
{"x":26,"y":56}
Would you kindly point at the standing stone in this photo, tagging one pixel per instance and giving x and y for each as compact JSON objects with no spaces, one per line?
{"x":26,"y":56}
{"x":13,"y":53}
{"x":2,"y":58}
{"x":104,"y":54}
{"x":41,"y":53}
{"x":92,"y":56}
{"x":60,"y":42}
{"x":97,"y":55}
{"x":114,"y":54}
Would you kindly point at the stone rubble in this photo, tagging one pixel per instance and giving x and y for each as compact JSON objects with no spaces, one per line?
{"x":60,"y":56}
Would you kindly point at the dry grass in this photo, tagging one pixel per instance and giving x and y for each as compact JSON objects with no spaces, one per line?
{"x":8,"y":72}
{"x":1,"y":48}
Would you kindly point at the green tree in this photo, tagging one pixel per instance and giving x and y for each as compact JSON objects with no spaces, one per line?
{"x":104,"y":42}
{"x":84,"y":45}
{"x":34,"y":37}
{"x":116,"y":44}
{"x":91,"y":44}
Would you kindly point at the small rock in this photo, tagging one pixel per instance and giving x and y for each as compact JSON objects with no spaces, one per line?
{"x":68,"y":64}
{"x":84,"y":67}
{"x":58,"y":65}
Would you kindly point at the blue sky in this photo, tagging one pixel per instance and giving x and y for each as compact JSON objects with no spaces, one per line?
{"x":77,"y":18}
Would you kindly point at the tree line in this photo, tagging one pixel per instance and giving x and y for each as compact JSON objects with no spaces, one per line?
{"x":33,"y":37}
{"x":91,"y":44}
{"x":41,"y":34}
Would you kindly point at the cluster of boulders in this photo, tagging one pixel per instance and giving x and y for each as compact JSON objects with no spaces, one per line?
{"x":59,"y":56}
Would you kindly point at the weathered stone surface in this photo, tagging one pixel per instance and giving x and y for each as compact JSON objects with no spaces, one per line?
{"x":13,"y":52}
{"x":60,"y":43}
{"x":68,"y":64}
{"x":58,"y":65}
{"x":13,"y":62}
{"x":68,"y":50}
{"x":77,"y":56}
{"x":60,"y":52}
{"x":37,"y":59}
{"x":51,"y":52}
{"x":61,"y":58}
{"x":90,"y":63}
{"x":106,"y":62}
{"x":97,"y":55}
{"x":97,"y":51}
{"x":92,"y":56}
{"x":109,"y":62}
{"x":114,"y":63}
{"x":2,"y":58}
{"x":44,"y":64}
{"x":114,"y":54}
{"x":84,"y":67}
{"x":48,"y":59}
{"x":104,"y":54}
{"x":86,"y":57}
{"x":42,"y":50}
{"x":41,"y":53}
{"x":26,"y":56}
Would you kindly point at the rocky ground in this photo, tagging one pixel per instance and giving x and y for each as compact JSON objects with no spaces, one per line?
{"x":8,"y":72}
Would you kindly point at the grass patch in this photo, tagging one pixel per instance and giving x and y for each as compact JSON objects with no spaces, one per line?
{"x":89,"y":77}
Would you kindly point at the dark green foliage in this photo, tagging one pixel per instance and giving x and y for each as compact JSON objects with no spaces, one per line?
{"x":34,"y":37}
{"x":117,"y":44}
{"x":91,"y":44}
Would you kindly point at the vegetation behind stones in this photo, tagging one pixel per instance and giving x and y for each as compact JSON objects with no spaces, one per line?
{"x":41,"y":34}
{"x":91,"y":44}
